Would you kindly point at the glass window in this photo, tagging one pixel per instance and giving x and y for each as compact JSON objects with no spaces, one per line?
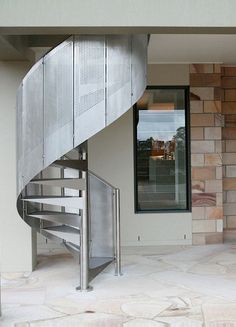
{"x":161,"y":150}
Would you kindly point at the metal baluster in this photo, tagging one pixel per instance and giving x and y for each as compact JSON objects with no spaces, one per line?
{"x":116,"y":213}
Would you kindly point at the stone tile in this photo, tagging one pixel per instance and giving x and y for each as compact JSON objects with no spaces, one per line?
{"x":231,"y":196}
{"x":228,"y":82}
{"x":202,"y":68}
{"x":197,"y":133}
{"x":212,"y":133}
{"x":219,"y":199}
{"x":230,"y":71}
{"x":205,"y":80}
{"x":139,"y":322}
{"x":82,"y":320}
{"x":202,"y":120}
{"x":219,"y":225}
{"x":198,"y":186}
{"x":219,"y":120}
{"x":219,"y":315}
{"x":203,"y":226}
{"x":199,"y":239}
{"x":214,"y":238}
{"x":196,"y":107}
{"x":229,"y":158}
{"x":231,"y":221}
{"x":203,"y":173}
{"x":202,"y":93}
{"x":219,"y":172}
{"x":198,"y":212}
{"x":214,"y":212}
{"x":213,"y":186}
{"x":213,"y":159}
{"x":229,"y":209}
{"x":203,"y":199}
{"x":229,"y":107}
{"x":197,"y":160}
{"x":230,"y":120}
{"x":223,"y":148}
{"x":230,"y":171}
{"x":148,"y":309}
{"x":218,"y":146}
{"x":202,"y":146}
{"x":230,"y":145}
{"x":218,"y":94}
{"x":212,"y":106}
{"x":229,"y":184}
{"x":217,"y":68}
{"x":230,"y":95}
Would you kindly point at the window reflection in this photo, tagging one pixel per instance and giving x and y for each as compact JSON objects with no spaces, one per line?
{"x":161,"y":150}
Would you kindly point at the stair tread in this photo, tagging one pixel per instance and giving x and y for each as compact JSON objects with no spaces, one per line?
{"x":48,"y":212}
{"x":63,"y":229}
{"x":50,"y":197}
{"x":73,"y":164}
{"x":55,"y":179}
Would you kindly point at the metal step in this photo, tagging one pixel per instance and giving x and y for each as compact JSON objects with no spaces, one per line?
{"x":76,"y":202}
{"x":73,"y":183}
{"x":73,"y":249}
{"x":66,"y":233}
{"x":69,"y":219}
{"x":74,"y":164}
{"x":97,"y":262}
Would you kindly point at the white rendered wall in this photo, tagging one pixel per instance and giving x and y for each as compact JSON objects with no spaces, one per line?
{"x":111,"y":157}
{"x":17,"y":250}
{"x":123,"y":13}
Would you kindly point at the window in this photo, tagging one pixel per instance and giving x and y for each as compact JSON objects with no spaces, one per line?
{"x":161,"y":150}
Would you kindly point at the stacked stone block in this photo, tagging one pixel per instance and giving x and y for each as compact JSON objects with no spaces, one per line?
{"x":229,"y":147}
{"x":206,"y":153}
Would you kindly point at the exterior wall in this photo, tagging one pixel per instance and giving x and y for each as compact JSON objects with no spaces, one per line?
{"x":229,"y":147}
{"x":206,"y":149}
{"x":15,"y":236}
{"x":111,"y":157}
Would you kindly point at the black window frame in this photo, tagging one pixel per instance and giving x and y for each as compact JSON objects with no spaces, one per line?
{"x":188,"y":153}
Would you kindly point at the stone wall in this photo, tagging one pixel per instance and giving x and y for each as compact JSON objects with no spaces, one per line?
{"x":229,"y":149}
{"x":206,"y":153}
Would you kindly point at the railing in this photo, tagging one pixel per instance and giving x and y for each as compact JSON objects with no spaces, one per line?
{"x":73,"y":92}
{"x":105,"y":200}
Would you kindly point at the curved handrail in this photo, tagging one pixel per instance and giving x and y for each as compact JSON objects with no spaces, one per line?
{"x":73,"y":92}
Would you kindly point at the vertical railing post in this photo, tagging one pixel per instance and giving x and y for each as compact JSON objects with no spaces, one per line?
{"x":116,"y":208}
{"x":84,"y":237}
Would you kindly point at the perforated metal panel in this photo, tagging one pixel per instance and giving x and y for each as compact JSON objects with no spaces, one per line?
{"x":139,"y":66}
{"x":104,"y":78}
{"x":19,"y":140}
{"x":118,"y":76}
{"x":101,"y":224}
{"x":58,"y":101}
{"x":89,"y":88}
{"x":32,"y":132}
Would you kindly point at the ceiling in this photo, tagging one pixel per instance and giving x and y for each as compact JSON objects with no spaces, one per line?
{"x":163,"y":48}
{"x":192,"y":48}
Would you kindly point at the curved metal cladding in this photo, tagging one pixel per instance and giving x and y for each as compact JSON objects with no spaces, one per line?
{"x":73,"y":92}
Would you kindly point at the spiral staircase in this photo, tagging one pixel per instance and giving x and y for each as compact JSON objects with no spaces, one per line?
{"x":72,"y":93}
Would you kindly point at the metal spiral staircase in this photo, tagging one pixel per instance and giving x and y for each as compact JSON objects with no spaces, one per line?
{"x":72,"y":93}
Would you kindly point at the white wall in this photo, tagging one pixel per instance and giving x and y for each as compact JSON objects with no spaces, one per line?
{"x":125,"y":13}
{"x":17,"y":251}
{"x":111,"y":157}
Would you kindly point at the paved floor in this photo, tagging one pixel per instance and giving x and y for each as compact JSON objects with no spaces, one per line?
{"x":161,"y":286}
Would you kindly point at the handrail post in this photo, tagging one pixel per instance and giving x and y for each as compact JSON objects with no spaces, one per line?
{"x":116,"y":208}
{"x":84,"y":237}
